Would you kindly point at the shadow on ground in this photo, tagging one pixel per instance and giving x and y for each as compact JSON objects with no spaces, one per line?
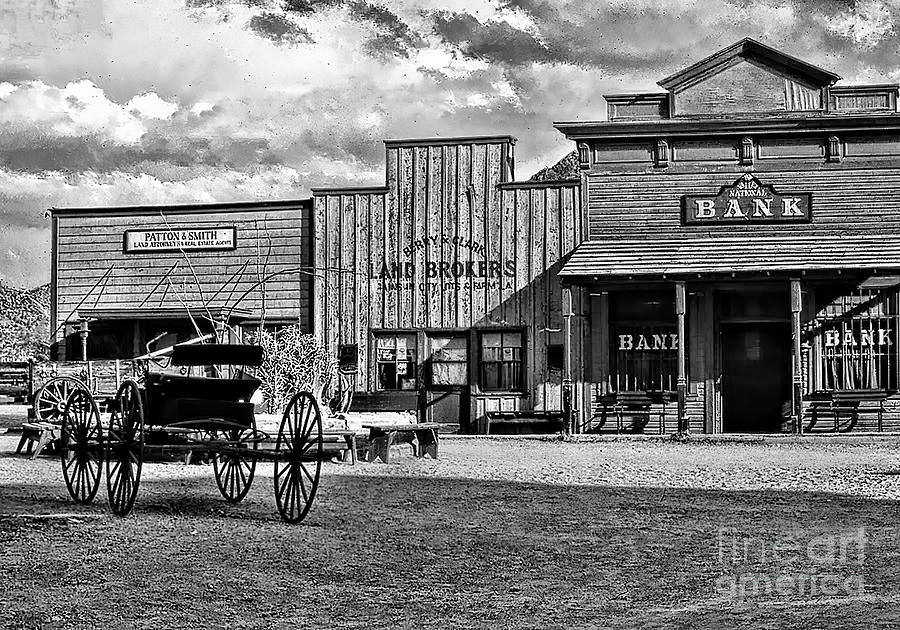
{"x":416,"y":552}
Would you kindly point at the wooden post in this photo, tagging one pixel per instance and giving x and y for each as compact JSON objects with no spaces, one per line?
{"x":680,"y":311}
{"x":83,"y":332}
{"x":567,"y":365}
{"x":797,"y":362}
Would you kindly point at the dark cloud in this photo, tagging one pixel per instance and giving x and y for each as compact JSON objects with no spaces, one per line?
{"x":279,"y":29}
{"x":494,"y":41}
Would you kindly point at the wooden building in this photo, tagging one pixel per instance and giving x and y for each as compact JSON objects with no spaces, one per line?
{"x":441,"y":287}
{"x":122,"y":277}
{"x":741,"y":259}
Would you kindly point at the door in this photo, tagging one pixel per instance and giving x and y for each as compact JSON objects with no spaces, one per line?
{"x":447,"y":380}
{"x":756,"y":376}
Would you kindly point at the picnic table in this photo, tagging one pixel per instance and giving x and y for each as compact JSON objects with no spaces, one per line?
{"x":423,"y":437}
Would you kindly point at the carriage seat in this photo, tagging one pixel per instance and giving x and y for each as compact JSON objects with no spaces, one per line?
{"x":173,"y":398}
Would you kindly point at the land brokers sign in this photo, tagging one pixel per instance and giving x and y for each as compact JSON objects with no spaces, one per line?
{"x":746,"y":201}
{"x":176,"y":239}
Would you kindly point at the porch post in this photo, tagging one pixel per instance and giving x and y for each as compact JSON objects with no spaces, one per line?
{"x":680,"y":310}
{"x":83,"y":332}
{"x":567,"y":397}
{"x":797,"y":360}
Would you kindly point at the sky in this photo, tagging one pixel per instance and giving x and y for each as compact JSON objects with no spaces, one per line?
{"x":115,"y":102}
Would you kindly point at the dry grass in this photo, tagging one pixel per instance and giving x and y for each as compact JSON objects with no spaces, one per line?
{"x":495,"y":534}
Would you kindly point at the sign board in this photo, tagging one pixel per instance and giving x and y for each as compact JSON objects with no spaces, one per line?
{"x":746,"y":201}
{"x":180,"y":239}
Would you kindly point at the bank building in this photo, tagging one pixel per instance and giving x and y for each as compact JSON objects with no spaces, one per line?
{"x":726,"y":259}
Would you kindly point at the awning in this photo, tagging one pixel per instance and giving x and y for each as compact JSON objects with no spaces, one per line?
{"x":197,"y":312}
{"x":683,"y":256}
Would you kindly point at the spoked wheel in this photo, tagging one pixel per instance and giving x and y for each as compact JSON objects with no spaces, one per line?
{"x":299,"y":457}
{"x":81,"y":449}
{"x":234,"y":470}
{"x":125,"y":451}
{"x":50,"y":400}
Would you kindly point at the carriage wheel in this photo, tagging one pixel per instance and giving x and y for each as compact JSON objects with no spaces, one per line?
{"x":50,"y":400}
{"x":299,"y":451}
{"x":125,"y":456}
{"x":234,"y":470}
{"x":80,"y":451}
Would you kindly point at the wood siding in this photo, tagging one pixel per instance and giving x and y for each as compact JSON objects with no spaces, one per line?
{"x":448,"y":245}
{"x":747,"y":86}
{"x":91,"y":271}
{"x":647,"y":205}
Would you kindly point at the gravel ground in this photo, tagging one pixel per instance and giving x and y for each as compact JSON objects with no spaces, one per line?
{"x":498,"y":533}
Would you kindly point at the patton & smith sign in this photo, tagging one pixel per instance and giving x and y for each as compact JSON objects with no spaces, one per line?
{"x":195,"y":239}
{"x":746,"y":201}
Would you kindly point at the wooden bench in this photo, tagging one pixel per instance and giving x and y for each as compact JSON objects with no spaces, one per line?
{"x":847,"y":407}
{"x":37,"y":436}
{"x":423,"y":437}
{"x":637,"y":406}
{"x":17,"y":380}
{"x":551,"y":420}
{"x":343,"y":441}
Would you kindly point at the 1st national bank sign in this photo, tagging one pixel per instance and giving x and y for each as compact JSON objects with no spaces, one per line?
{"x":746,"y":201}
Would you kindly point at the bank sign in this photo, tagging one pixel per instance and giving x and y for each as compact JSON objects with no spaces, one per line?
{"x":746,"y":201}
{"x":177,"y":239}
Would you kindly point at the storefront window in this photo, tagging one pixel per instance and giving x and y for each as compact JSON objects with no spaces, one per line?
{"x":643,"y":343}
{"x":858,"y":341}
{"x":449,"y":364}
{"x":501,"y":361}
{"x":395,"y":361}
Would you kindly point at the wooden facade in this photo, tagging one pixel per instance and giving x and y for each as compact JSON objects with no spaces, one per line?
{"x":450,"y":249}
{"x":259,"y":271}
{"x":766,"y":196}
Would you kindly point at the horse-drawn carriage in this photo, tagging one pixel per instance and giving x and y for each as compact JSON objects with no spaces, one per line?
{"x":198,"y":402}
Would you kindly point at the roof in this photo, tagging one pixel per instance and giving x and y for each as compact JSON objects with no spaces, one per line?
{"x":437,"y":141}
{"x":748,"y":48}
{"x":729,"y":124}
{"x":732,"y":254}
{"x":188,"y":208}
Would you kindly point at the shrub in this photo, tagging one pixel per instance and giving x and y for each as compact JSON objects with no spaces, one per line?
{"x":292,"y":361}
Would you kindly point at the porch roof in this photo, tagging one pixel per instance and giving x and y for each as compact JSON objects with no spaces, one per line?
{"x":746,"y":254}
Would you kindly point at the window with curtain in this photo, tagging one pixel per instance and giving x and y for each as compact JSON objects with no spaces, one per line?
{"x":501,"y":361}
{"x":395,"y":361}
{"x":449,"y":360}
{"x":643,"y":342}
{"x":858,"y":340}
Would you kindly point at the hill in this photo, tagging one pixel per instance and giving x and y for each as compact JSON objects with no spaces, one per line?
{"x":566,"y":168}
{"x":24,"y":323}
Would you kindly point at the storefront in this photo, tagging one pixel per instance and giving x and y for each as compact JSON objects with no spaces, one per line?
{"x":728,"y":261}
{"x":124,"y":277}
{"x":439,"y":291}
{"x":741,"y":261}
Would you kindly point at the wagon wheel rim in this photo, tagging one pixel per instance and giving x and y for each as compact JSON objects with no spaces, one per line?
{"x":234,"y":470}
{"x":50,"y":400}
{"x":125,"y":449}
{"x":81,"y":451}
{"x":298,"y":462}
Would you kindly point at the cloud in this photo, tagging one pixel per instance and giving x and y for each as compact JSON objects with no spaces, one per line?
{"x":867,"y":23}
{"x":79,"y":109}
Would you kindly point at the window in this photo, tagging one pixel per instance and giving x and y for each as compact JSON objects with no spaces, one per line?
{"x":449,"y":364}
{"x":858,"y":336}
{"x":643,"y":342}
{"x":395,"y":361}
{"x":501,"y":360}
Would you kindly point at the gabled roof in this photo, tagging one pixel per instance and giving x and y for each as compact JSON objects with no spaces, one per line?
{"x":749,"y":49}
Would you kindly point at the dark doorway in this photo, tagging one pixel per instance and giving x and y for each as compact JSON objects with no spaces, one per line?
{"x":756,"y":376}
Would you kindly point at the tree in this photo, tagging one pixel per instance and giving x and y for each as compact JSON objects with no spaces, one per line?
{"x":292,"y":361}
